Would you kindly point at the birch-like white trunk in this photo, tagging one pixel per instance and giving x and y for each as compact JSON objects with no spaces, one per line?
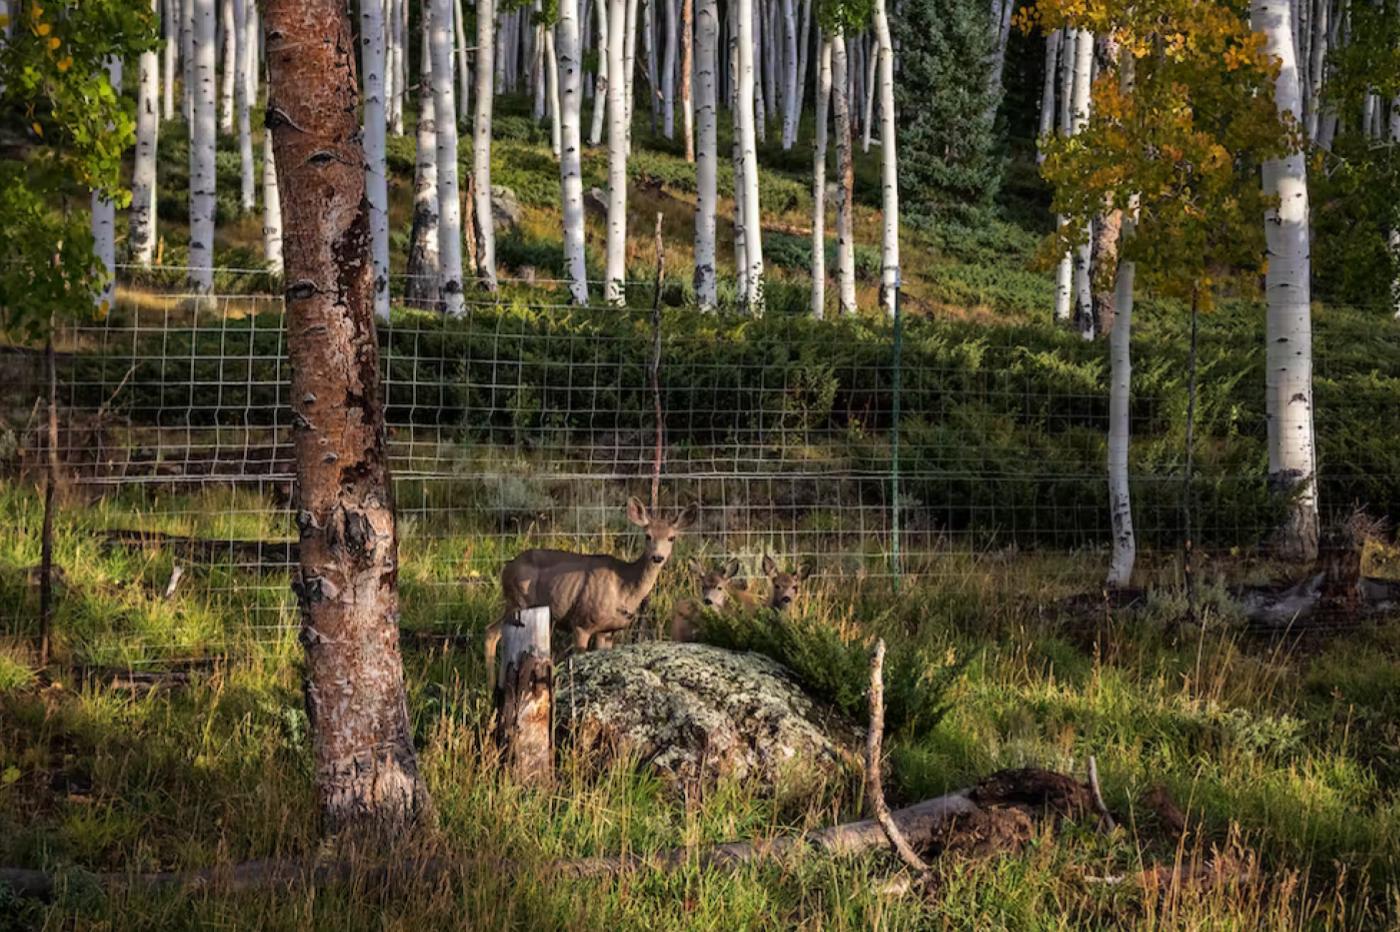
{"x":203,"y":126}
{"x":247,"y":185}
{"x":872,"y":66}
{"x":445,"y":121}
{"x":790,"y":113}
{"x":845,"y":172}
{"x":1316,"y":68}
{"x":104,"y":214}
{"x":802,"y":55}
{"x":424,"y":267}
{"x":570,"y":82}
{"x":889,"y":166}
{"x":272,"y":209}
{"x":760,"y":100}
{"x":819,"y":180}
{"x":649,"y":52}
{"x":1083,"y":250}
{"x":748,"y":144}
{"x":1120,"y":506}
{"x":551,"y":74}
{"x":1053,"y":42}
{"x":170,"y":28}
{"x":615,"y":265}
{"x":687,"y":77}
{"x":481,"y":144}
{"x":460,"y":43}
{"x":706,"y":151}
{"x":141,"y":228}
{"x":372,"y":67}
{"x":1064,"y":270}
{"x":1395,"y":229}
{"x":600,"y":94}
{"x":1288,"y":325}
{"x":741,"y":255}
{"x":668,"y":68}
{"x":187,"y":80}
{"x":228,"y":19}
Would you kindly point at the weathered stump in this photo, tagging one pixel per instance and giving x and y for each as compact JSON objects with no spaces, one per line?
{"x":525,"y":698}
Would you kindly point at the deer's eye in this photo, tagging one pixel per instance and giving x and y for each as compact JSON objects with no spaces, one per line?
{"x":672,"y":537}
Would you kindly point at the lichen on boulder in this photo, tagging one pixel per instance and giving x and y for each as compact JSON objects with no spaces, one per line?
{"x":697,"y":713}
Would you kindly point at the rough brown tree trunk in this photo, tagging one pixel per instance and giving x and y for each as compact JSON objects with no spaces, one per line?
{"x":366,"y":771}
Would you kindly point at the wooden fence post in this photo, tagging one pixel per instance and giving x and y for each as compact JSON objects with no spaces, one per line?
{"x":524,"y":696}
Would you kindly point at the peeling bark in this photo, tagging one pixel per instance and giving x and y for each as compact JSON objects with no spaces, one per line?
{"x":366,"y":770}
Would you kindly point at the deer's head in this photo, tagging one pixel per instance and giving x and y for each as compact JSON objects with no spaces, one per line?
{"x":661,"y":533}
{"x":786,"y":586}
{"x":715,"y":584}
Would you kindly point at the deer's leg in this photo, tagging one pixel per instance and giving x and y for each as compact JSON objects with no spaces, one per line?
{"x":493,"y":638}
{"x":581,"y":640}
{"x":603,"y":641}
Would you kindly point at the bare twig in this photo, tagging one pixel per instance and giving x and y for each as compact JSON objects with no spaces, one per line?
{"x":176,"y":571}
{"x":1105,"y":817}
{"x":873,"y":789}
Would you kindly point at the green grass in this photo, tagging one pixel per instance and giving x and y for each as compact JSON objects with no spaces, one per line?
{"x":1287,"y":759}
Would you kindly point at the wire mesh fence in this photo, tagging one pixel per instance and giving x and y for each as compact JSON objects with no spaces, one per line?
{"x":526,"y":422}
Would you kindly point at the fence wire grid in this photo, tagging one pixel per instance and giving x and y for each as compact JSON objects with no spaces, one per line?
{"x":525,"y":423}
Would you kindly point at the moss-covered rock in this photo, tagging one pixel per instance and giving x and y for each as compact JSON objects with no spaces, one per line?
{"x":698,"y":713}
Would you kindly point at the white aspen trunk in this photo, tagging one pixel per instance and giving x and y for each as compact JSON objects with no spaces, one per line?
{"x":668,"y":69}
{"x":424,"y":267}
{"x":629,"y":64}
{"x":1316,"y":68}
{"x":1083,"y":251}
{"x":819,"y":180}
{"x":481,"y":145}
{"x":872,"y":64}
{"x":247,"y":187}
{"x":187,"y":17}
{"x":228,"y":18}
{"x":391,"y":66}
{"x":537,"y":86}
{"x":760,"y":102}
{"x":141,"y":229}
{"x":170,"y":23}
{"x":1288,"y":326}
{"x":203,"y":126}
{"x":889,"y":166}
{"x":272,"y":209}
{"x":748,"y":142}
{"x":741,"y":255}
{"x":252,"y":35}
{"x":687,"y":76}
{"x":464,"y":72}
{"x":1064,"y":271}
{"x":1120,"y":507}
{"x":615,"y":286}
{"x":570,"y":79}
{"x":790,"y":114}
{"x":551,"y":70}
{"x":372,"y":67}
{"x":600,"y":96}
{"x":1001,"y":33}
{"x":706,"y":151}
{"x":1047,"y":91}
{"x":104,"y":214}
{"x":445,"y":126}
{"x":845,"y":170}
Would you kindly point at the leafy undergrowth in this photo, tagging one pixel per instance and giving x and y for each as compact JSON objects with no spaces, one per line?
{"x":1288,"y":760}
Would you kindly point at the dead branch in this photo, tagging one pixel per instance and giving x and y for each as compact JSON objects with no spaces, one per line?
{"x":1105,"y":817}
{"x":874,"y":791}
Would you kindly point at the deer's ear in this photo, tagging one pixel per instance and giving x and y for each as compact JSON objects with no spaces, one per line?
{"x":770,"y":566}
{"x":731,"y":569}
{"x":687,"y":518}
{"x":637,"y":512}
{"x":804,"y":571}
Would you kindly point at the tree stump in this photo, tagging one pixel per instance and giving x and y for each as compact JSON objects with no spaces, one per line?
{"x":524,"y":697}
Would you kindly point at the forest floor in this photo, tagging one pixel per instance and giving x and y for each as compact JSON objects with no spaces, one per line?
{"x":1283,"y":753}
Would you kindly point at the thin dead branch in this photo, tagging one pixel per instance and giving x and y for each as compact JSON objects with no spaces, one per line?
{"x":874,"y":791}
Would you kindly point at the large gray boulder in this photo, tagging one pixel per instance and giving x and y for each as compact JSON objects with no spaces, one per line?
{"x":697,"y":713}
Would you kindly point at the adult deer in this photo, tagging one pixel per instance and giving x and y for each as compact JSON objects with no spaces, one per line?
{"x":593,"y":595}
{"x":720,"y":589}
